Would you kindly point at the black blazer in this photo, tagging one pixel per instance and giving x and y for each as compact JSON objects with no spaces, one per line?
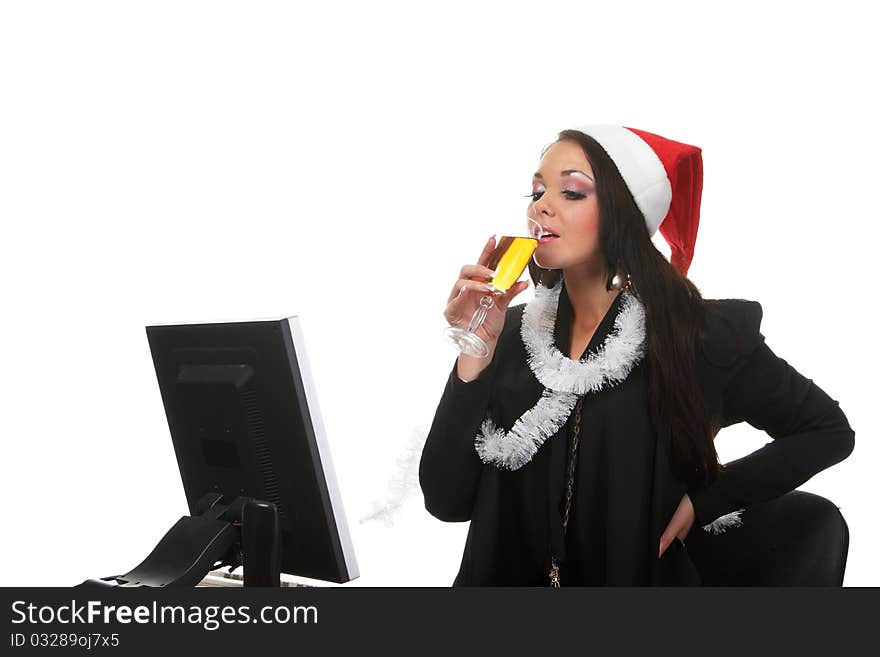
{"x":625,"y":491}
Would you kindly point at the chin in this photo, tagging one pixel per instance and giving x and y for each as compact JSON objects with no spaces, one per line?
{"x":549,"y":263}
{"x":544,"y":262}
{"x":563,"y":259}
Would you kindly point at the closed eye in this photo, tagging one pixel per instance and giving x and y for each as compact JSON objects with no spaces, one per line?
{"x":568,"y":193}
{"x":573,"y":195}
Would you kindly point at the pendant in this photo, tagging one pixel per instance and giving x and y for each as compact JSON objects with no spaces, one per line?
{"x":554,"y":573}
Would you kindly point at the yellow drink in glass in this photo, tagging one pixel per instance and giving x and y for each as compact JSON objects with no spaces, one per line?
{"x":509,"y":260}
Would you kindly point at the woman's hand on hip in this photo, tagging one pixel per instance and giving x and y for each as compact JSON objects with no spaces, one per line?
{"x":680,"y":524}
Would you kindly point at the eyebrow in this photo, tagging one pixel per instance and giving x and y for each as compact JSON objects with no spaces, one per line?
{"x":567,"y":172}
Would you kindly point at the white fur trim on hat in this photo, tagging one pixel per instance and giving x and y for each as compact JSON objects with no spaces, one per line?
{"x":640,"y":167}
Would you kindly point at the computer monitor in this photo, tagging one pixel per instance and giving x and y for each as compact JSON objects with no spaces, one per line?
{"x":245,"y":422}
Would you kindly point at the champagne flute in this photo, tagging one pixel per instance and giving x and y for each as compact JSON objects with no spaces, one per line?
{"x":508,"y":260}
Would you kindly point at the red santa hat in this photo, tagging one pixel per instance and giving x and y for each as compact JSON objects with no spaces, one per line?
{"x":665,"y":178}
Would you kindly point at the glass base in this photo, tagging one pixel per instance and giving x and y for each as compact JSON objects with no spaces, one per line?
{"x":466,"y":342}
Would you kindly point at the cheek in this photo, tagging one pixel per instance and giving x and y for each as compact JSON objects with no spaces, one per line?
{"x":581,"y":241}
{"x":584,"y":230}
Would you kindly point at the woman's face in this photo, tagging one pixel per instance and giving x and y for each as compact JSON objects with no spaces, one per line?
{"x":564,"y":202}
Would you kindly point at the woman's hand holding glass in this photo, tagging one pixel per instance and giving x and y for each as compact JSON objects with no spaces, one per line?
{"x":500,"y":266}
{"x":465,"y":301}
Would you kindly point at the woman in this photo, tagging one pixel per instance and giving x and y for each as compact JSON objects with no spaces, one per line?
{"x":581,"y":449}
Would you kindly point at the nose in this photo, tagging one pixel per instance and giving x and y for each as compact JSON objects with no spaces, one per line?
{"x":542,"y":207}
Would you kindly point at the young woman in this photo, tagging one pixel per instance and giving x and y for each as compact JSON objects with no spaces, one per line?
{"x":581,"y":449}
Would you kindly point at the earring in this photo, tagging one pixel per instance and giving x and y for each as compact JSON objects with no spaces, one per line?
{"x":619,"y":282}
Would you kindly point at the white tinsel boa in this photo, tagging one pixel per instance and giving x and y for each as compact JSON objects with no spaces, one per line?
{"x":564,"y":379}
{"x":722,"y":523}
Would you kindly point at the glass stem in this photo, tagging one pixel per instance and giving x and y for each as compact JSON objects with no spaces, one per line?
{"x":486,"y":304}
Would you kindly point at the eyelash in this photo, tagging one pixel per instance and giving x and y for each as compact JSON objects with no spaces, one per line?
{"x":571,"y":195}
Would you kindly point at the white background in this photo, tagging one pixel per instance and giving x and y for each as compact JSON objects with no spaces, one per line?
{"x":176,"y":161}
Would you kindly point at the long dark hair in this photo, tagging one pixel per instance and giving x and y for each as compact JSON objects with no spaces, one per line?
{"x":675,"y":312}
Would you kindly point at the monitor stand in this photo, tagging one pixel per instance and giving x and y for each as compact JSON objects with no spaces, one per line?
{"x":242,"y":533}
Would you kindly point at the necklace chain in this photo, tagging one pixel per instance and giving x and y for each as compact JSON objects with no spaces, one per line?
{"x":572,"y":456}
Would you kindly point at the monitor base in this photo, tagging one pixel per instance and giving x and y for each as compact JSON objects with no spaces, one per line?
{"x":243,"y":533}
